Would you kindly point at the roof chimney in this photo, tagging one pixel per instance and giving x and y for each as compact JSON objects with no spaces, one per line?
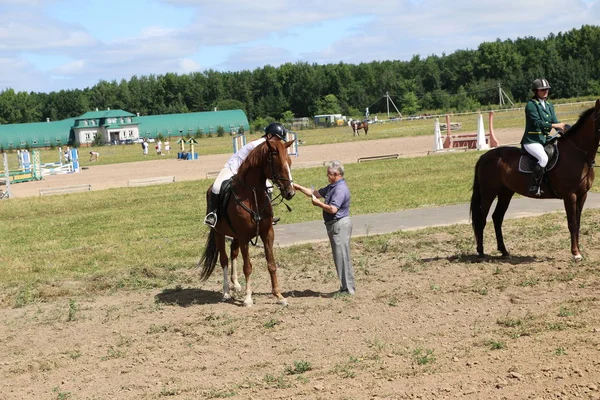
{"x":138,"y":114}
{"x":108,"y":108}
{"x":215,"y":108}
{"x":47,"y":119}
{"x":96,"y":108}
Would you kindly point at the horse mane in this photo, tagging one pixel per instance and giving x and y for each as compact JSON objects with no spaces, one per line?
{"x":256,"y":158}
{"x":580,"y":122}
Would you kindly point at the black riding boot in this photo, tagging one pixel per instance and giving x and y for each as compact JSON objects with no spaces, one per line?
{"x":536,"y":181}
{"x":213,"y":204}
{"x":270,"y":196}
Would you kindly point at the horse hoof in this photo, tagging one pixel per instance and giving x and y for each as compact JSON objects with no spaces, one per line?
{"x":226,"y":297}
{"x":248,"y":303}
{"x":237,"y":288}
{"x":283,"y":302}
{"x":577,"y":257}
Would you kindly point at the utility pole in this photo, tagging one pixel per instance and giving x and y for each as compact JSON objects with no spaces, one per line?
{"x":502,"y":94}
{"x":389,"y":100}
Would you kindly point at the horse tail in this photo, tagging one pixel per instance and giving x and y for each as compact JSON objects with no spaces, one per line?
{"x":475,"y":209}
{"x":210,"y":256}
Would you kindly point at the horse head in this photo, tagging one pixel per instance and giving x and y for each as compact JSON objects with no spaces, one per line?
{"x":278,"y":169}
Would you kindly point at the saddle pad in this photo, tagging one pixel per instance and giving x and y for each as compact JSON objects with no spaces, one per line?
{"x":527,"y":162}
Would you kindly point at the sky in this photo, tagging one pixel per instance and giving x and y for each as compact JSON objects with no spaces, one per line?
{"x":51,"y":45}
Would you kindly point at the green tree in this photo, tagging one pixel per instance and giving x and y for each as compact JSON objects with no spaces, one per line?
{"x":329,"y":105}
{"x":410,"y":104}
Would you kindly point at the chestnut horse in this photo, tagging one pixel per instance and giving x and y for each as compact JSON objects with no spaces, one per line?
{"x":249,"y":214}
{"x":358,"y":125}
{"x":497,"y":176}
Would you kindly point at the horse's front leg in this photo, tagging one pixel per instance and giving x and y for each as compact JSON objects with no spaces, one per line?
{"x":572,"y":204}
{"x":247,"y":272}
{"x":267,"y":239}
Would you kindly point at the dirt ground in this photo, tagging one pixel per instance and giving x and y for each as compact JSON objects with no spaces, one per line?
{"x":427,"y":322}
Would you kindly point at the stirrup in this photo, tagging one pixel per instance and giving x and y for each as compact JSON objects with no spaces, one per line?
{"x":210,"y":219}
{"x":535,"y":191}
{"x":276,"y":220}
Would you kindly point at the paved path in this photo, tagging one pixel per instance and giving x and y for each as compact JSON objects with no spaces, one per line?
{"x":375,"y":224}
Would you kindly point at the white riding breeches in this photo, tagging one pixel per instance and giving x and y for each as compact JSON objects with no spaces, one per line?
{"x":227,"y":173}
{"x":537,"y":150}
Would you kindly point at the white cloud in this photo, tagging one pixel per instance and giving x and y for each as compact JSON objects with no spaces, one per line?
{"x":239,"y":34}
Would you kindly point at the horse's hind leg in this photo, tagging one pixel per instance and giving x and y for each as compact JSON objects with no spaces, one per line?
{"x":504,"y":198}
{"x":480,"y":207}
{"x":224,"y":261}
{"x":235,"y":251}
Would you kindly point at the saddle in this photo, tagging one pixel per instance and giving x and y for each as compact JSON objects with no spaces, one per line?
{"x":224,"y":195}
{"x":527,"y":162}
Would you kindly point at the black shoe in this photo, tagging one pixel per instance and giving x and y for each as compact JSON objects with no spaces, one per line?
{"x":276,"y":220}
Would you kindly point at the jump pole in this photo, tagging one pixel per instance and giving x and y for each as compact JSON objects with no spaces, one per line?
{"x":6,"y":175}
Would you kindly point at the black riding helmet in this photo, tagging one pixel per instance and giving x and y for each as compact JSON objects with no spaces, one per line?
{"x":540,"y":84}
{"x":276,"y":129}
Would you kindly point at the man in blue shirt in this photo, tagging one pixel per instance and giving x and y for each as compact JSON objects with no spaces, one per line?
{"x":336,"y":214}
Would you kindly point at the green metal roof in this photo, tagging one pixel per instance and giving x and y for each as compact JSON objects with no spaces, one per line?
{"x":36,"y":134}
{"x":105,"y":114}
{"x":182,"y":124}
{"x":42,"y":134}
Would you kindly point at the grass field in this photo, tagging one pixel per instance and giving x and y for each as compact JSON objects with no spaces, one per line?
{"x":125,"y":238}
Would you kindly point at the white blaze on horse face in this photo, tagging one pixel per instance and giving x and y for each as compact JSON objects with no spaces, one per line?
{"x":289,"y":173}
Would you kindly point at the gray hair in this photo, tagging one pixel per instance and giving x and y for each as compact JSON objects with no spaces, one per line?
{"x":337,"y":166}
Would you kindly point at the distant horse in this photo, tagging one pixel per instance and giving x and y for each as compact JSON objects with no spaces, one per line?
{"x":357,"y":125}
{"x":497,"y":175}
{"x":249,"y":214}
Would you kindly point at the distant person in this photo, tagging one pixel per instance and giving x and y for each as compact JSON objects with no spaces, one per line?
{"x":336,"y":214}
{"x":145,"y":147}
{"x":94,"y":156}
{"x":159,"y":148}
{"x":540,"y":118}
{"x":167,"y":147}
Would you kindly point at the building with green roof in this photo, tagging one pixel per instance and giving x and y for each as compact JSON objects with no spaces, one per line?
{"x":117,"y":126}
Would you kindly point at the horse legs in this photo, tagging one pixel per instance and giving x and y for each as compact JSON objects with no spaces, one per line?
{"x":504,"y":198}
{"x":224,"y":261}
{"x":479,"y":222}
{"x":247,"y":272}
{"x":235,"y":250}
{"x":574,"y":207}
{"x":267,"y":239}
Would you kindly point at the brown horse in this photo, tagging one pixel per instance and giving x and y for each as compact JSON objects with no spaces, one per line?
{"x":249,"y":214}
{"x":358,"y":125}
{"x":497,"y":175}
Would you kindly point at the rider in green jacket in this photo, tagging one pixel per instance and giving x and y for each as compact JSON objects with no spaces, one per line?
{"x":540,"y":119}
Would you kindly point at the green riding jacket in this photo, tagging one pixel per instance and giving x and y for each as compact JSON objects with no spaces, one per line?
{"x":538,"y":122}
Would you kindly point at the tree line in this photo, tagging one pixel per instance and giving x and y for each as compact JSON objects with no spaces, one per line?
{"x":460,"y":81}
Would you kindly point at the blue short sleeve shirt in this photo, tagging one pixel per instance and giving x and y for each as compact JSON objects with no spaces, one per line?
{"x":336,"y":194}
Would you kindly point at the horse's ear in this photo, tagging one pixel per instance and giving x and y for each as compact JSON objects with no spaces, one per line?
{"x":598,"y":105}
{"x":288,"y":144}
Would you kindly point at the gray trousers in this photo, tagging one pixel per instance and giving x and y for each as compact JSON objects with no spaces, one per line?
{"x":339,"y":233}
